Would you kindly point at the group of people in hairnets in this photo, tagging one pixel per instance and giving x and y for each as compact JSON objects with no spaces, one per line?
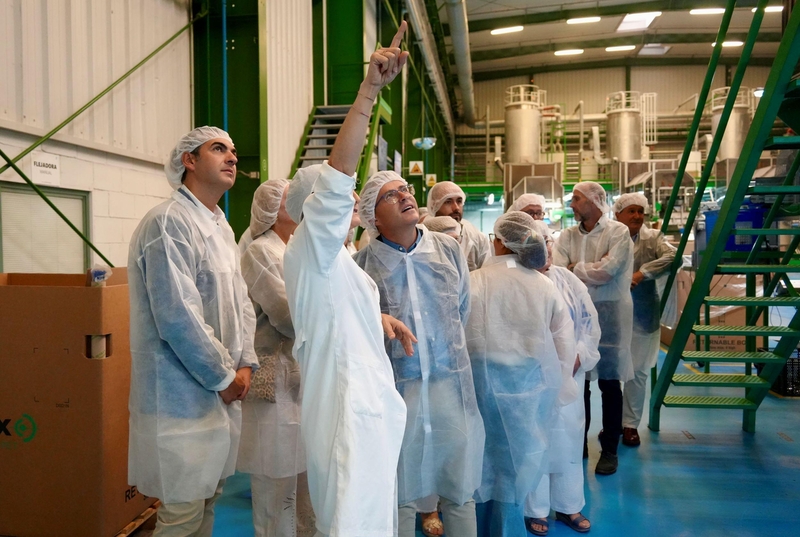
{"x":430,"y":370}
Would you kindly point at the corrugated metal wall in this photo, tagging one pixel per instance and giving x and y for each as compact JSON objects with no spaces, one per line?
{"x":56,"y":55}
{"x":673,"y":84}
{"x":591,"y":86}
{"x":491,"y":93}
{"x":290,"y":80}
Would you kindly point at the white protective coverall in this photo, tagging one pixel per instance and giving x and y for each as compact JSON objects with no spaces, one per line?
{"x":520,"y":340}
{"x":428,"y":290}
{"x":562,"y":485}
{"x":352,"y":416}
{"x":653,"y":256}
{"x":603,"y":261}
{"x":244,"y":241}
{"x":475,"y":245}
{"x":271,"y":444}
{"x":192,"y":327}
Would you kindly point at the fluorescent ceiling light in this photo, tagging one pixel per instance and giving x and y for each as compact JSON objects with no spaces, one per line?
{"x":569,"y":52}
{"x":729,"y":44}
{"x":620,"y":48}
{"x":708,"y":11}
{"x":770,"y":9}
{"x":637,"y":21}
{"x":758,"y":92}
{"x":583,"y":20}
{"x":509,"y":30}
{"x":654,"y":49}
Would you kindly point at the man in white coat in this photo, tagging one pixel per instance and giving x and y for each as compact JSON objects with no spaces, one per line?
{"x":600,"y":253}
{"x":192,"y":328}
{"x":352,"y":416}
{"x":652,"y":258}
{"x":447,"y":199}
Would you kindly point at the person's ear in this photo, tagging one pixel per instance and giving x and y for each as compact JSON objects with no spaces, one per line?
{"x":188,"y":159}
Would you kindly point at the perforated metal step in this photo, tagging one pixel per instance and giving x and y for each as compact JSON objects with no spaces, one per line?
{"x":702,"y":329}
{"x":708,"y":401}
{"x":727,"y":381}
{"x":752,"y":301}
{"x":736,"y":357}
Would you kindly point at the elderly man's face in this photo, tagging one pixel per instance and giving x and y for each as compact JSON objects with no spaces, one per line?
{"x":583,"y":207}
{"x":390,"y":216}
{"x":633,"y":217}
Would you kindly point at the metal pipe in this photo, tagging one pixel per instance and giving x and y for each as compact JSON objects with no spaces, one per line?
{"x":488,"y":135}
{"x":10,"y":164}
{"x":226,"y":200}
{"x":423,"y":31}
{"x":102,"y":94}
{"x":580,"y":107}
{"x":459,"y":35}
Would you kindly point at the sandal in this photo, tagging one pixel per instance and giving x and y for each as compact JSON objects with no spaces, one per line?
{"x":530,"y":521}
{"x":431,"y":524}
{"x":573,"y":523}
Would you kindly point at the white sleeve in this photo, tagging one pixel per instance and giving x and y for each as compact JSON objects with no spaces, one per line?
{"x":620,"y":254}
{"x":561,"y":328}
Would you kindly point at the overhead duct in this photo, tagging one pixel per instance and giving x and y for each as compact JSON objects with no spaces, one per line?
{"x":459,"y":34}
{"x":423,"y":31}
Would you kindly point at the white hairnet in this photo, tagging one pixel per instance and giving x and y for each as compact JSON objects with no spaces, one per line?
{"x":443,"y":224}
{"x":626,"y":200}
{"x":174,"y":167}
{"x":595,"y":192}
{"x":542,"y":229}
{"x":423,"y":213}
{"x":301,"y":187}
{"x":515,"y":230}
{"x":440,"y":193}
{"x":525,"y":200}
{"x":265,"y":206}
{"x":369,"y":198}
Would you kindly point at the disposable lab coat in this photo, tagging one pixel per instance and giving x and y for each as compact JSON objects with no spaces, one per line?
{"x":352,"y":416}
{"x":192,"y":327}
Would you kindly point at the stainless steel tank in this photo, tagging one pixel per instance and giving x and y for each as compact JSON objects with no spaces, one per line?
{"x":738,"y":123}
{"x":624,"y":126}
{"x":523,"y":121}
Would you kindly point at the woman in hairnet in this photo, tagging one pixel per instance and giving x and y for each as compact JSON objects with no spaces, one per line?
{"x":600,"y":253}
{"x":520,"y":340}
{"x":652,"y":258}
{"x":447,"y":199}
{"x":444,"y":224}
{"x":352,"y":417}
{"x":561,"y":486}
{"x":192,"y":329}
{"x":271,"y":448}
{"x":530,"y":204}
{"x":423,"y":281}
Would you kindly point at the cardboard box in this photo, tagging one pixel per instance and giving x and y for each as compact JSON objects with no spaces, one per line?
{"x":63,"y":416}
{"x":721,"y":285}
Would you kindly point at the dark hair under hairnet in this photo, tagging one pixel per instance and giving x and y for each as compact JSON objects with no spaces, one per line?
{"x":515,"y":231}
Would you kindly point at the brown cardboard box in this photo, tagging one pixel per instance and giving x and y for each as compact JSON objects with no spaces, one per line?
{"x":64,"y":417}
{"x":721,"y":285}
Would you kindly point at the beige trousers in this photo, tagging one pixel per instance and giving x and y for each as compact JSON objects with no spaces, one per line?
{"x":189,"y":519}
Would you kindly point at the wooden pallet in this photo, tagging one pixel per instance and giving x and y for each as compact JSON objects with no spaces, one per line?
{"x":140,"y":521}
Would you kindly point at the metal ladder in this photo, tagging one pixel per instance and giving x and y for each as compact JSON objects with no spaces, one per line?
{"x":322,"y":128}
{"x":781,"y":98}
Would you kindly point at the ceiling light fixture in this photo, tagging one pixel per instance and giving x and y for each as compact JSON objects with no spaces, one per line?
{"x":758,"y":92}
{"x":708,"y":11}
{"x":637,"y":21}
{"x":569,"y":52}
{"x":770,"y":9}
{"x":729,"y":44}
{"x":583,"y":20}
{"x":509,"y":30}
{"x":620,"y":48}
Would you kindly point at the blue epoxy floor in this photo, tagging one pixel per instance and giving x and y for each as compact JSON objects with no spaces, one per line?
{"x":700,"y":476}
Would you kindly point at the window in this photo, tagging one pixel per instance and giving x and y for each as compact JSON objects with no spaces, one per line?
{"x":33,"y":238}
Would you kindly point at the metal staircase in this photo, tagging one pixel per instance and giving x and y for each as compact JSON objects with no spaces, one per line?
{"x":322,"y":128}
{"x":781,"y":98}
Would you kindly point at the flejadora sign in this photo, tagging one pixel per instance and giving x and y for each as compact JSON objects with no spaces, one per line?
{"x":45,"y":169}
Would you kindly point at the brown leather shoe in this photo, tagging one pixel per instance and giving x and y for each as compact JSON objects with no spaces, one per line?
{"x":630,"y":437}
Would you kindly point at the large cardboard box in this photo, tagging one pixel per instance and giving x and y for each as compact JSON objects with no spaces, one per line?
{"x":64,"y":416}
{"x":721,"y":285}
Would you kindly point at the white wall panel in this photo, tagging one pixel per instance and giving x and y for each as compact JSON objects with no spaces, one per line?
{"x":591,"y":86}
{"x":491,"y":93}
{"x":57,"y":55}
{"x":755,"y":77}
{"x":673,"y":84}
{"x":290,"y":80}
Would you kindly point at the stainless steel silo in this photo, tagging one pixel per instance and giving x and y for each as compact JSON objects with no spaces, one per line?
{"x":624,"y":126}
{"x":523,"y":122}
{"x":738,"y":123}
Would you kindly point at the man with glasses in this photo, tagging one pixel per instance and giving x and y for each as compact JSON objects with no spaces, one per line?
{"x":530,"y":204}
{"x":447,"y":199}
{"x":423,"y":281}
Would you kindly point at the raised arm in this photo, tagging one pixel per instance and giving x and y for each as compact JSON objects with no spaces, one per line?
{"x":665,"y":253}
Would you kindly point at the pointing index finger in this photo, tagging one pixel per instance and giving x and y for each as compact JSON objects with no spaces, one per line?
{"x":398,"y":37}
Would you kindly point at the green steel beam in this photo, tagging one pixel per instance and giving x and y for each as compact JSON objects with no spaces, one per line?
{"x":557,"y":14}
{"x":641,"y":39}
{"x":618,"y":62}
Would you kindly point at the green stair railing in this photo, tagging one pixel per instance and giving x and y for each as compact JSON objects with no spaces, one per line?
{"x":778,"y":93}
